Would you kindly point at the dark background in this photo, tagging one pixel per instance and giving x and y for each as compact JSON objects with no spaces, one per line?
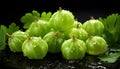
{"x":13,"y":10}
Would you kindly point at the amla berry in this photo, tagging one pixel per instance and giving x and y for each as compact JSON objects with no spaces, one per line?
{"x":62,"y":21}
{"x":77,"y":24}
{"x":54,"y":40}
{"x":16,"y":40}
{"x":79,"y":32}
{"x":34,"y":48}
{"x":38,"y":28}
{"x":94,"y":27}
{"x":96,"y":45}
{"x":73,"y":49}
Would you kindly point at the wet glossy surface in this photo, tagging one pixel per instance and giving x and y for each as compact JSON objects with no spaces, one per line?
{"x":10,"y":60}
{"x":13,"y":11}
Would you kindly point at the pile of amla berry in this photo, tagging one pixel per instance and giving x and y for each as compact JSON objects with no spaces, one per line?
{"x":60,"y":34}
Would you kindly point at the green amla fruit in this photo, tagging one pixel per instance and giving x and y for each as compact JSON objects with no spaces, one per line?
{"x":54,"y":41}
{"x":16,"y":40}
{"x":38,"y":28}
{"x":73,"y":49}
{"x":34,"y":48}
{"x":79,"y":32}
{"x":96,"y":45}
{"x":77,"y":24}
{"x":94,"y":27}
{"x":62,"y":21}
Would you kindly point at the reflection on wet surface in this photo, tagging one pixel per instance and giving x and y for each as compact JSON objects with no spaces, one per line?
{"x":53,"y":61}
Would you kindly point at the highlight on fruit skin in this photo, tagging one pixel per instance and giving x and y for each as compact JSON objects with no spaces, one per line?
{"x":77,"y":24}
{"x":34,"y":48}
{"x":93,"y":27}
{"x":16,"y":40}
{"x":62,"y":20}
{"x":38,"y":28}
{"x":79,"y":33}
{"x":54,"y":40}
{"x":96,"y":45}
{"x":73,"y":49}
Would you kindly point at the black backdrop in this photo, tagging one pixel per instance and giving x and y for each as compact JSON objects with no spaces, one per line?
{"x":13,"y":10}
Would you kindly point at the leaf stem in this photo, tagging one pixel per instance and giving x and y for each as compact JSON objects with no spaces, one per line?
{"x":8,"y":35}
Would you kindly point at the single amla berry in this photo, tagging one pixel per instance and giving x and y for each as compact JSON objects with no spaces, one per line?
{"x":38,"y":28}
{"x":16,"y":40}
{"x":96,"y":45}
{"x":62,"y":21}
{"x":79,"y":32}
{"x":34,"y":48}
{"x":94,"y":27}
{"x":74,"y":31}
{"x":54,"y":40}
{"x":77,"y":24}
{"x":73,"y":49}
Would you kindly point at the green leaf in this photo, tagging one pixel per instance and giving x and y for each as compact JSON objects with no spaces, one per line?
{"x":117,"y":28}
{"x":2,"y":37}
{"x":12,"y":28}
{"x":45,"y":16}
{"x":112,"y":36}
{"x":112,"y":26}
{"x":28,"y":18}
{"x":109,"y":57}
{"x":117,"y":25}
{"x":109,"y":22}
{"x":4,"y":28}
{"x":115,"y":47}
{"x":36,"y":13}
